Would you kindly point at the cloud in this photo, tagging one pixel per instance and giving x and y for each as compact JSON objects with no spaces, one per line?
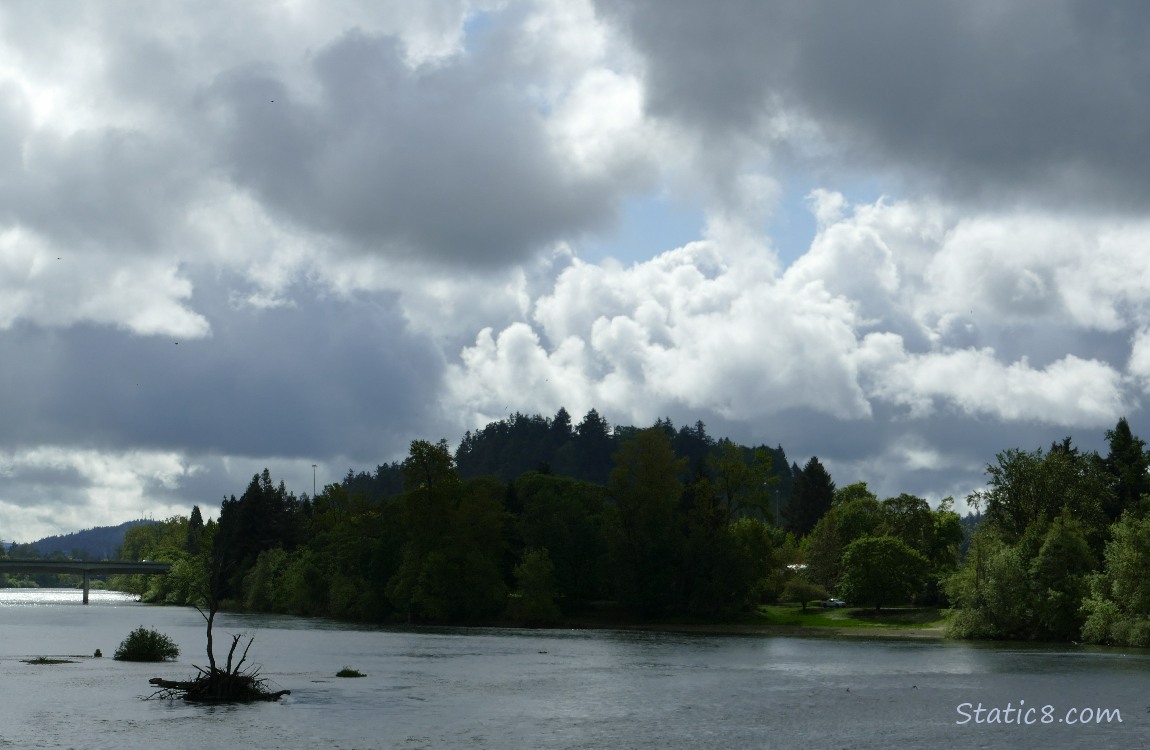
{"x":446,"y":162}
{"x":684,"y":328}
{"x":989,"y":103}
{"x":395,"y":246}
{"x":56,"y":487}
{"x":1070,"y":390}
{"x":883,"y":334}
{"x":308,"y":380}
{"x":144,"y":295}
{"x":393,"y":135}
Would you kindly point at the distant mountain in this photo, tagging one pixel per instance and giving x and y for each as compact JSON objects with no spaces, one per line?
{"x":99,"y":543}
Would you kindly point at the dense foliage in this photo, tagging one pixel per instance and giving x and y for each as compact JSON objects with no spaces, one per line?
{"x":424,"y":541}
{"x":143,"y":644}
{"x":526,"y":523}
{"x":1062,"y":551}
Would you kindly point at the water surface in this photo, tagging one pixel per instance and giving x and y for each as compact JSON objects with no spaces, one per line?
{"x":498,"y":688}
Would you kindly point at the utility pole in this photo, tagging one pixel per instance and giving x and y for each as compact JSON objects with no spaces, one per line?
{"x":313,"y":481}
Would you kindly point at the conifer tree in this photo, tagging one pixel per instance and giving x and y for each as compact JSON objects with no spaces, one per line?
{"x":811,"y":498}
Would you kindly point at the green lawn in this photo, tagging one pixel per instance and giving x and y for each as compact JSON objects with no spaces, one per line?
{"x":850,"y":617}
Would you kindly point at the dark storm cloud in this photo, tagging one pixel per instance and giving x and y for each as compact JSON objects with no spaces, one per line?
{"x":448,"y":163}
{"x":978,"y":99}
{"x":339,"y":378}
{"x":113,"y":187}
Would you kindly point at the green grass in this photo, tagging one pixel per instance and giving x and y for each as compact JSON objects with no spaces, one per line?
{"x":349,"y":672}
{"x":791,"y":615}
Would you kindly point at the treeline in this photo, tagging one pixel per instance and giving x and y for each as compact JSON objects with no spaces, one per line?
{"x":682,"y":524}
{"x":1063,"y":552}
{"x":510,"y":447}
{"x":1059,"y":550}
{"x":100,"y":543}
{"x":421,"y":541}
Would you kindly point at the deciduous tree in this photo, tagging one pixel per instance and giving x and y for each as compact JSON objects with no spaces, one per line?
{"x":881,"y":570}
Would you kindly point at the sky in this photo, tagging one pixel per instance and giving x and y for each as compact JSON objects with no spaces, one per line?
{"x":901,"y":237}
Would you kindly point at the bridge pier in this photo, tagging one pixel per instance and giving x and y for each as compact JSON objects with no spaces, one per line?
{"x":85,"y":567}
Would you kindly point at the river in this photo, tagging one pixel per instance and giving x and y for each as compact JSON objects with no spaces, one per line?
{"x":497,"y":688}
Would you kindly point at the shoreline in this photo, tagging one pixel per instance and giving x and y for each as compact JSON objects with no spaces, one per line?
{"x":886,"y":632}
{"x":790,"y":631}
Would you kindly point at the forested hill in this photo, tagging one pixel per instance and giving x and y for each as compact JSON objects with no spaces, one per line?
{"x":99,"y":543}
{"x":509,"y":447}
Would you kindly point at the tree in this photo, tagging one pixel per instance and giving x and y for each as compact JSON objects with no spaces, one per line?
{"x":801,"y":590}
{"x":1118,"y":608}
{"x":910,"y":519}
{"x":852,"y":492}
{"x":757,"y":563}
{"x":450,"y":570}
{"x":266,"y":516}
{"x":693,"y":444}
{"x":567,"y":517}
{"x":881,"y":570}
{"x":824,"y":552}
{"x":534,"y":601}
{"x":1029,"y":487}
{"x":646,"y":488}
{"x":1128,"y":465}
{"x":741,"y":484}
{"x":428,"y":466}
{"x":195,"y":531}
{"x":593,"y":446}
{"x":991,"y":591}
{"x":944,"y":553}
{"x":1058,"y":577}
{"x":811,"y":497}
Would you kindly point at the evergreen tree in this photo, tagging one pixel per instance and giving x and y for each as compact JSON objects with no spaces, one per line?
{"x":693,"y":444}
{"x":265,"y":516}
{"x":594,"y":447}
{"x":1128,"y":465}
{"x":812,"y":497}
{"x":646,"y":489}
{"x":195,"y":531}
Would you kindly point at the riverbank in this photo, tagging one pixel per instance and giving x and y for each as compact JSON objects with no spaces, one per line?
{"x":921,"y":623}
{"x":918,"y":623}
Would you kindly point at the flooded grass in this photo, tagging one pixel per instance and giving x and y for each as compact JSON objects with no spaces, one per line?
{"x":848,"y":617}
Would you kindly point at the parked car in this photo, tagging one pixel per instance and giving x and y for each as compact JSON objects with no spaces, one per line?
{"x":834,"y":603}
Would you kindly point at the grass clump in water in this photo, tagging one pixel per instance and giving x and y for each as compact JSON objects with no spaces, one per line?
{"x":349,"y":672}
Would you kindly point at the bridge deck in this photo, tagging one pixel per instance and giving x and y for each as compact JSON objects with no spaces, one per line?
{"x":83,"y":567}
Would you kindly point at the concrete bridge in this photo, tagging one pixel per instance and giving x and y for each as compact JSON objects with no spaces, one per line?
{"x":83,"y":567}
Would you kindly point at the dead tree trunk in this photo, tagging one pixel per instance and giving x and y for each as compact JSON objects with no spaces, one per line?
{"x":232,"y":684}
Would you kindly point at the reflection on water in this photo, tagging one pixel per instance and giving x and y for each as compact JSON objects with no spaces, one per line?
{"x":498,"y":688}
{"x":62,"y":597}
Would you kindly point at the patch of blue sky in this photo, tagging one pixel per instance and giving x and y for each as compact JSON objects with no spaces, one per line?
{"x":792,"y":226}
{"x":653,"y":224}
{"x":648,"y":226}
{"x":477,"y":22}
